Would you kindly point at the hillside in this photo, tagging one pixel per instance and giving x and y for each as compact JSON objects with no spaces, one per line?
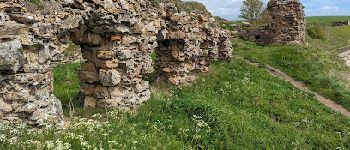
{"x":317,"y":64}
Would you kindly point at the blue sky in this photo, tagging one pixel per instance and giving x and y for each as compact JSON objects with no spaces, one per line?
{"x":229,"y":9}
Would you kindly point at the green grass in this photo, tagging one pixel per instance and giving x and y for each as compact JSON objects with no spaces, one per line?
{"x":317,"y":64}
{"x":67,"y":84}
{"x":327,"y":20}
{"x":235,"y":106}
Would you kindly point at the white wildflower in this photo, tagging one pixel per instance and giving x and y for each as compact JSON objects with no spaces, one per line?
{"x":49,"y":144}
{"x":13,"y":140}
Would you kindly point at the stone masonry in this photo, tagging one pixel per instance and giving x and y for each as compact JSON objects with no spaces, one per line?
{"x":187,"y":44}
{"x":287,"y":25}
{"x":116,"y":37}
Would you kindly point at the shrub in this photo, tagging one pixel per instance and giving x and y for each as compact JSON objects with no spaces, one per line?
{"x":316,"y":31}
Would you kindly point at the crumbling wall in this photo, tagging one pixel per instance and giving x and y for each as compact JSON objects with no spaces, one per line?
{"x":288,"y":22}
{"x":187,"y":44}
{"x":116,"y":38}
{"x":28,"y":44}
{"x":116,"y":42}
{"x":287,"y":25}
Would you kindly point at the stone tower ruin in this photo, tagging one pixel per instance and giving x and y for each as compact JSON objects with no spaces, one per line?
{"x":288,"y":22}
{"x":117,"y":38}
{"x":287,"y":25}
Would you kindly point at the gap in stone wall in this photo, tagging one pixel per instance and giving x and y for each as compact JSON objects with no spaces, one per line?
{"x":66,"y":85}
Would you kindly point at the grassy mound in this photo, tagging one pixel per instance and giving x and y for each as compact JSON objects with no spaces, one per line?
{"x":236,"y":106}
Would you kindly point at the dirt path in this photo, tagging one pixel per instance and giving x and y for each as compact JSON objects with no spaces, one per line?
{"x":344,"y":49}
{"x":327,"y":102}
{"x":344,"y":53}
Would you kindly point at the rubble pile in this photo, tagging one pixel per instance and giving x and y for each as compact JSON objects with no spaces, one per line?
{"x":116,"y":38}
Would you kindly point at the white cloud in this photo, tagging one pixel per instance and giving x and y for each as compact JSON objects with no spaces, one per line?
{"x":330,"y":8}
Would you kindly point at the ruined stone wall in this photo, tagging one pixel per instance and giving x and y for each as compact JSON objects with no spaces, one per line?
{"x":116,"y":38}
{"x":287,"y":26}
{"x":288,"y":22}
{"x":28,"y":44}
{"x":116,"y":43}
{"x":187,"y":44}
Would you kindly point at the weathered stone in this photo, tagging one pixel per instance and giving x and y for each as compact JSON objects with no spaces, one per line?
{"x":109,"y":77}
{"x":287,"y":25}
{"x":118,"y":92}
{"x":90,"y":102}
{"x":87,"y":89}
{"x":5,"y":108}
{"x":89,"y":77}
{"x":89,"y":55}
{"x":105,"y":54}
{"x":11,"y":57}
{"x":107,"y":64}
{"x":101,"y":92}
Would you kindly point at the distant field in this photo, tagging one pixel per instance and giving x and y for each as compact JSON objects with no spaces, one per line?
{"x":326,"y":20}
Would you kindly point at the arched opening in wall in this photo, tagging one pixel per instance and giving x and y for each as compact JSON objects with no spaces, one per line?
{"x":66,"y":84}
{"x":111,"y":75}
{"x":75,"y":75}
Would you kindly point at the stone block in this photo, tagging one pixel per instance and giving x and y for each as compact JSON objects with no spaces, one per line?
{"x":11,"y":56}
{"x":89,"y":55}
{"x":107,"y":64}
{"x":105,"y":54}
{"x":87,"y":89}
{"x":109,"y":77}
{"x":88,"y":66}
{"x":88,"y":76}
{"x":101,"y":92}
{"x":90,"y":102}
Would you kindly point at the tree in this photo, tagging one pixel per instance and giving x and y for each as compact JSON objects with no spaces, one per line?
{"x":251,"y":9}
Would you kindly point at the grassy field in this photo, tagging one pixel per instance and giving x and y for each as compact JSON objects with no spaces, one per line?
{"x":235,"y":106}
{"x":67,"y":84}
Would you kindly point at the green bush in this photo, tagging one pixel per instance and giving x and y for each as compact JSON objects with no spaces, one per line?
{"x":316,"y":31}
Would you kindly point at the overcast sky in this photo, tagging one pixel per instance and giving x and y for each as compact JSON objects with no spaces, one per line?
{"x":229,"y":9}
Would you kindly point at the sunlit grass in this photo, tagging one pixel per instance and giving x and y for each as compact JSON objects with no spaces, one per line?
{"x":237,"y":107}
